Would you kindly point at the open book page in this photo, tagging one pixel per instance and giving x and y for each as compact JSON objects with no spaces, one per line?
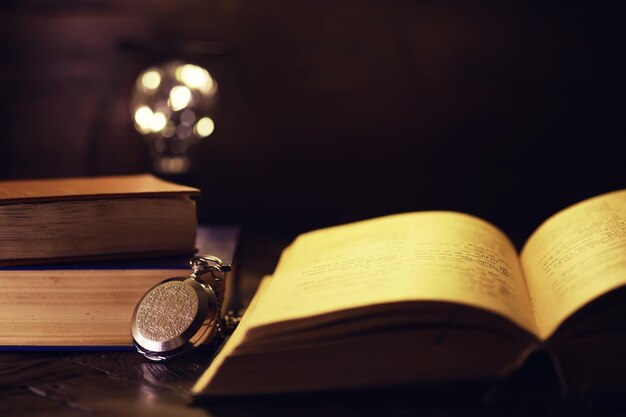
{"x":576,"y":256}
{"x":434,"y":256}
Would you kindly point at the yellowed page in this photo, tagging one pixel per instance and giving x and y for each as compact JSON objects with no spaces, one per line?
{"x":235,"y":340}
{"x":72,"y":307}
{"x":440,"y":256}
{"x":576,"y":256}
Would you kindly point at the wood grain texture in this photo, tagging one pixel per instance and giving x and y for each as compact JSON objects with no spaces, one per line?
{"x":125,"y":384}
{"x":21,"y":402}
{"x":19,"y":370}
{"x":114,"y":383}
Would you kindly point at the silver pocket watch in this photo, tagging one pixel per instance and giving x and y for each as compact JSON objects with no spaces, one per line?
{"x":181,"y":313}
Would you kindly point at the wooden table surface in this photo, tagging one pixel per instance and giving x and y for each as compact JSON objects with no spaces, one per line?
{"x":123,"y":383}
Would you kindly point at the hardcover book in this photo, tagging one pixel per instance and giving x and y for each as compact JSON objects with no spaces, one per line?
{"x":90,"y":305}
{"x":428,"y":297}
{"x":77,"y":219}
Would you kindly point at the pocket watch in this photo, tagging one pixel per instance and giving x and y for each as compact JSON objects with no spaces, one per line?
{"x":181,"y":313}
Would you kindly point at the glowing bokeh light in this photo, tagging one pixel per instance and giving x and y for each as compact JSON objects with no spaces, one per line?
{"x":195,"y":77}
{"x":204,"y":127}
{"x":151,"y":79}
{"x":180,"y":96}
{"x":173,"y":106}
{"x":143,"y":116}
{"x":158,"y":121}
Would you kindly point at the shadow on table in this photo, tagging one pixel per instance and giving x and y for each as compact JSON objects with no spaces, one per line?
{"x":533,"y":390}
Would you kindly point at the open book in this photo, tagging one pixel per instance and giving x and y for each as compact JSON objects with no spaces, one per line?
{"x":435,"y":296}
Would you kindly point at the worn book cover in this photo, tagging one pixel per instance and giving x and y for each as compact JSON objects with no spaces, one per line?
{"x":82,"y":219}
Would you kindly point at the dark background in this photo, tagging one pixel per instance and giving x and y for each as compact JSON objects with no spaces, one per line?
{"x":332,"y":111}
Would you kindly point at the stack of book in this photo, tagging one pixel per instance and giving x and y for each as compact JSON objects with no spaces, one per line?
{"x":77,"y":254}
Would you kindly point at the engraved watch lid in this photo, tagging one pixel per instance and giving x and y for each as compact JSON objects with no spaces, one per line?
{"x":173,"y":317}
